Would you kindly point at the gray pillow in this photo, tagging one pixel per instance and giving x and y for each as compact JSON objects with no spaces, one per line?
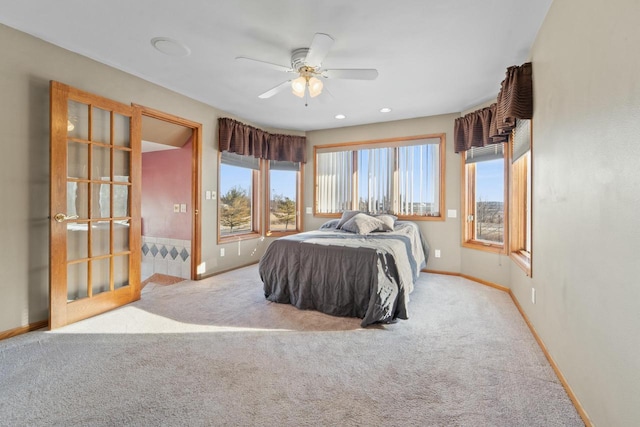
{"x":346,"y":216}
{"x":330,"y":224}
{"x":362,"y":224}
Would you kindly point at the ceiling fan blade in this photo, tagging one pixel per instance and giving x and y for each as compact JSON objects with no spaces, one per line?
{"x":352,"y":74}
{"x":267,"y":64}
{"x":318,"y":50}
{"x":277,"y":89}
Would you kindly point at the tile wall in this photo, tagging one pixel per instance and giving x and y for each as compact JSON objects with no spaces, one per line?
{"x":165,"y":256}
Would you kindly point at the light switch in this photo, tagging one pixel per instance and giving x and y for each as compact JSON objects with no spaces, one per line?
{"x":207,"y":195}
{"x":309,"y":211}
{"x":213,"y":195}
{"x":183,"y":207}
{"x":452,"y":213}
{"x":176,"y":208}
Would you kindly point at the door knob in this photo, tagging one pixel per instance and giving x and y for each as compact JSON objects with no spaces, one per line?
{"x":60,"y":217}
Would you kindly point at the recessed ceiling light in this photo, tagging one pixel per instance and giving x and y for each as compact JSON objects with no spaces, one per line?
{"x":385,"y":110}
{"x":340,"y":116}
{"x":170,"y":47}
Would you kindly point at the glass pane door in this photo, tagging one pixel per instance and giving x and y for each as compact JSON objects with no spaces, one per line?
{"x":95,"y":178}
{"x":98,"y":202}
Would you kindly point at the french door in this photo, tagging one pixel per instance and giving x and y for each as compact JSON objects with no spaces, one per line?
{"x":94,"y":205}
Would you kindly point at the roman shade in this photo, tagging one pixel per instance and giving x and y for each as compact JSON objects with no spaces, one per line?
{"x":521,"y":139}
{"x":238,"y":160}
{"x":485,"y":154}
{"x":283,"y":165}
{"x":236,"y":137}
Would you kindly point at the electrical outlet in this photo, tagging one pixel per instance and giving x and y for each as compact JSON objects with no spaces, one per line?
{"x":533,"y":295}
{"x":437,"y":253}
{"x":176,"y":208}
{"x":221,"y":251}
{"x":213,"y":195}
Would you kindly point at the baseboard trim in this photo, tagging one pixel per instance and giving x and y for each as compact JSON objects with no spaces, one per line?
{"x":576,"y":403}
{"x":24,"y":329}
{"x":543,"y":347}
{"x":206,"y":276}
{"x":466,"y":276}
{"x":446,"y":273}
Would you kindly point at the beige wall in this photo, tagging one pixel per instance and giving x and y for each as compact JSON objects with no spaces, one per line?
{"x":443,"y":235}
{"x":586,"y":199}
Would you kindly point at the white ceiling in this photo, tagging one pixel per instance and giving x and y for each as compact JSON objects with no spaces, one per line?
{"x":433,"y":56}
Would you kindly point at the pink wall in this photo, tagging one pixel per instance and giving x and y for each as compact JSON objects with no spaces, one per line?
{"x":166,"y":180}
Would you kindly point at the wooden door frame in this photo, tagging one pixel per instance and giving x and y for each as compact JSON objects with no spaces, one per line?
{"x":196,"y":175}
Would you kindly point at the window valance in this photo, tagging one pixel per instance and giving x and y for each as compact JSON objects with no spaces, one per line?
{"x":477,"y":129}
{"x":239,"y":138}
{"x":493,"y":124}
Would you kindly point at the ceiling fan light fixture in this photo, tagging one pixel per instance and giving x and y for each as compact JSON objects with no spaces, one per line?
{"x":298,"y":86}
{"x":315,"y":87}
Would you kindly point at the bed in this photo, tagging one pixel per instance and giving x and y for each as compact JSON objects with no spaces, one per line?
{"x":344,"y":270}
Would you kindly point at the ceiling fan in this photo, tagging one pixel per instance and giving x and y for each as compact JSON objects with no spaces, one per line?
{"x":307,"y":63}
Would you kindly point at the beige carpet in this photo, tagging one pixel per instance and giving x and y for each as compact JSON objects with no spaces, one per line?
{"x":216,"y":352}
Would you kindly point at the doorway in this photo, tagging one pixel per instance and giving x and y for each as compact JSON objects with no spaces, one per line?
{"x":170,"y":203}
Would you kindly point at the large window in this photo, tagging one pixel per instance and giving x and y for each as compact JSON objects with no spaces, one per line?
{"x":483,"y":189}
{"x":238,"y":206}
{"x":399,"y":176}
{"x":284,"y":185}
{"x":520,"y":195}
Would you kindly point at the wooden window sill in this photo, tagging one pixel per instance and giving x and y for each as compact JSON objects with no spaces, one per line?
{"x":484,"y":246}
{"x":237,"y":237}
{"x":282,"y":233}
{"x":523,"y":261}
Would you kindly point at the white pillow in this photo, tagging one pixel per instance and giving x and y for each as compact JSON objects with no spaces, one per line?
{"x":387,"y":222}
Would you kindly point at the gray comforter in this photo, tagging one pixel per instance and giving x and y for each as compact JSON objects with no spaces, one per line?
{"x":346,"y":274}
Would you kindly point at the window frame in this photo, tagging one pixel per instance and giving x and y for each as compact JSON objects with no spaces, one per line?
{"x":256,"y":207}
{"x":468,"y":203}
{"x":299,"y":203}
{"x":379,"y":143}
{"x":520,"y":197}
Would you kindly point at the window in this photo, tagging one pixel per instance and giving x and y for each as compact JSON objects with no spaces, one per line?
{"x":238,"y":206}
{"x":399,"y":176}
{"x":520,"y":195}
{"x":284,"y":185}
{"x":483,"y":190}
